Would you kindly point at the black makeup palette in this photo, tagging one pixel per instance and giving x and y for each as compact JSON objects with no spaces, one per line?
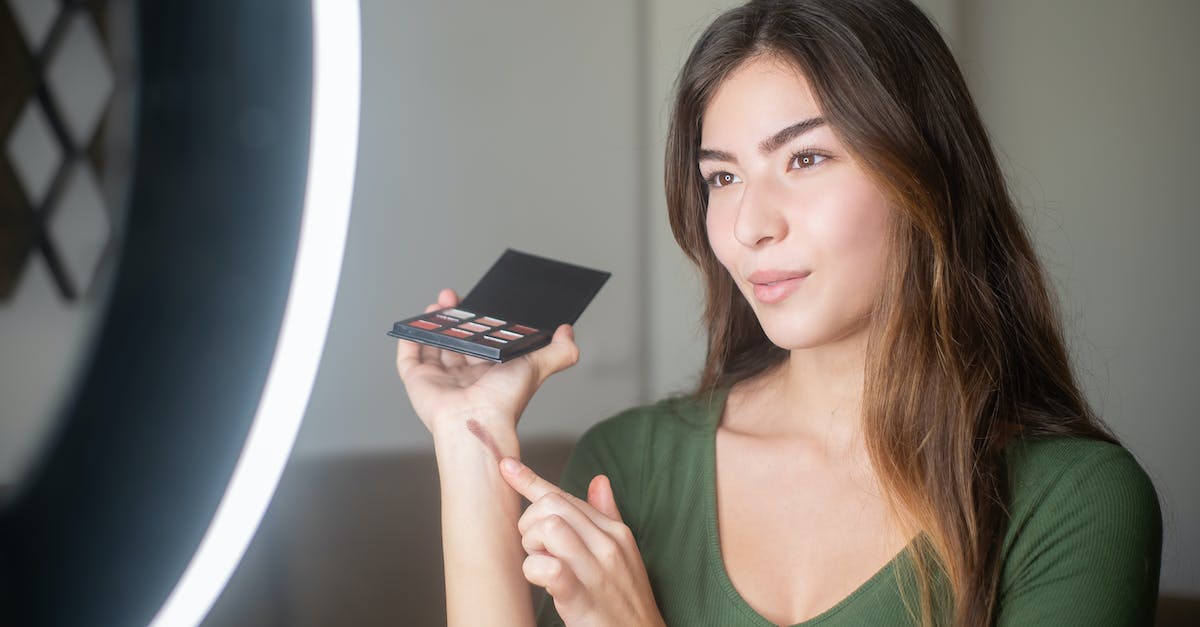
{"x":512,"y":310}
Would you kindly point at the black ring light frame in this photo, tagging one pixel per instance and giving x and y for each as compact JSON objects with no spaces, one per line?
{"x":105,"y":524}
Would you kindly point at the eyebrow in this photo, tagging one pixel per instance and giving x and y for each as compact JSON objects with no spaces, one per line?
{"x":768,"y":145}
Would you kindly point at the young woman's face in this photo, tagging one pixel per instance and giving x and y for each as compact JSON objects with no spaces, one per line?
{"x":796,"y":222}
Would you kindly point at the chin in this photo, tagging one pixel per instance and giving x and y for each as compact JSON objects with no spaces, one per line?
{"x":793,"y":336}
{"x":796,"y":333}
{"x":792,"y":340}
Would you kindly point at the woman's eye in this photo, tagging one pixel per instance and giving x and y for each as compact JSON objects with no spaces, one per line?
{"x":721,"y":179}
{"x":803,"y":160}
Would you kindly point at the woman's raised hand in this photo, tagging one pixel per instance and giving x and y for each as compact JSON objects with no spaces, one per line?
{"x":448,"y":386}
{"x":582,"y":553}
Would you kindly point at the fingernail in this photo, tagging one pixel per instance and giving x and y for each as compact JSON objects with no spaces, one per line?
{"x":510,"y":465}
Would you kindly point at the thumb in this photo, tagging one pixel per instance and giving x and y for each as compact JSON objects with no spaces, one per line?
{"x":561,"y":353}
{"x":600,"y":496}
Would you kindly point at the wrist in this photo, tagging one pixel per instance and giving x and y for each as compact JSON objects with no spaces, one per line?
{"x":490,"y":433}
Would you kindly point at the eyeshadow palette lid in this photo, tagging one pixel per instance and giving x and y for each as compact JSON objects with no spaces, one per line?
{"x":535,"y":291}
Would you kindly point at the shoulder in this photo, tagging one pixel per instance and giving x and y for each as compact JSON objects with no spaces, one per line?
{"x":634,"y":446}
{"x":1052,"y":472}
{"x":678,"y":413}
{"x":629,"y":441}
{"x":1084,"y":537}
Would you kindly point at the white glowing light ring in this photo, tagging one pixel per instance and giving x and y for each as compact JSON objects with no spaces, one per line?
{"x":333,"y":149}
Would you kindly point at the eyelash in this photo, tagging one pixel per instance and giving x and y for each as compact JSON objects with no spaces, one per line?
{"x":807,"y":152}
{"x":709,"y":181}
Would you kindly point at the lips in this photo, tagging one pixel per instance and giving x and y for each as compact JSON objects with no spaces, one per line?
{"x":774,"y":286}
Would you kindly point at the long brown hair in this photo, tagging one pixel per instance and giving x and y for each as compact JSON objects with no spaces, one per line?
{"x":965,"y":351}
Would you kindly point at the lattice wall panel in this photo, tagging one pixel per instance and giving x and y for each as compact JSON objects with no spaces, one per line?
{"x":58,"y":83}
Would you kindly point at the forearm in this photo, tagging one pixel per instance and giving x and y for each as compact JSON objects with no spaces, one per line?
{"x":480,"y":542}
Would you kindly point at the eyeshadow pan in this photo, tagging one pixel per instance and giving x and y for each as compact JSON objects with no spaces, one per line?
{"x":524,"y":330}
{"x":490,"y":321}
{"x":446,"y":319}
{"x":425,"y":324}
{"x":473,"y":328}
{"x":506,"y":335}
{"x":458,"y":313}
{"x":457,"y":333}
{"x":494,"y":340}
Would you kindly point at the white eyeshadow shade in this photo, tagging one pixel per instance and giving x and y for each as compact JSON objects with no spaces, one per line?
{"x":508,"y":335}
{"x":490,"y":321}
{"x":494,"y":340}
{"x":458,"y":313}
{"x":474,"y":328}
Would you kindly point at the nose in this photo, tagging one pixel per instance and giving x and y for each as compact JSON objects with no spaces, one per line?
{"x":760,"y":218}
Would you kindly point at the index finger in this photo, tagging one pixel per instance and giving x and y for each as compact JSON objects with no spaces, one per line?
{"x":526,"y":482}
{"x":531,"y":486}
{"x":447,"y":298}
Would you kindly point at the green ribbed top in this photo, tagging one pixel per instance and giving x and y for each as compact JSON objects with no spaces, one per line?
{"x":1082,"y":547}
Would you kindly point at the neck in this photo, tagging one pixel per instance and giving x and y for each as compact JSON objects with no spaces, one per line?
{"x":816,"y":393}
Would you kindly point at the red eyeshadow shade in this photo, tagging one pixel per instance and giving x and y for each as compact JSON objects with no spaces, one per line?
{"x":424,"y":324}
{"x":523,"y":330}
{"x":457,"y":333}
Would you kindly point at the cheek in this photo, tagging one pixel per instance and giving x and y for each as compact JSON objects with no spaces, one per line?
{"x":850,"y":243}
{"x":852,"y":230}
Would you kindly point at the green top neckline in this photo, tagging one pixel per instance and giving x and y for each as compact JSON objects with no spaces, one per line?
{"x":715,"y":409}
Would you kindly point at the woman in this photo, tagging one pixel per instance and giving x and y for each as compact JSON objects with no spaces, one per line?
{"x":886,"y":430}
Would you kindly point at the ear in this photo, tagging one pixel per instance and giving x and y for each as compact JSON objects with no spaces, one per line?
{"x":600,"y":496}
